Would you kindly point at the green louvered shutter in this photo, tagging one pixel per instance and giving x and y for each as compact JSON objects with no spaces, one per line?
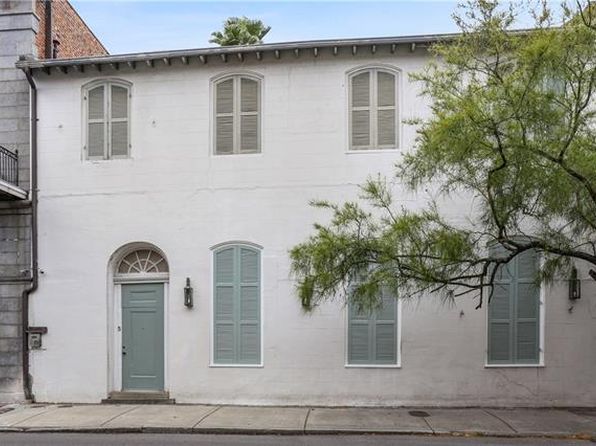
{"x":237,"y":306}
{"x":527,"y":309}
{"x":225,"y":307}
{"x":499,"y":322}
{"x":249,"y":303}
{"x":372,"y":336}
{"x":359,"y":336}
{"x":513,"y":313}
{"x":385,"y":336}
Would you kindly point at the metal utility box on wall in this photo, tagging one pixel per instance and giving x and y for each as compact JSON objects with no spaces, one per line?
{"x":34,"y":337}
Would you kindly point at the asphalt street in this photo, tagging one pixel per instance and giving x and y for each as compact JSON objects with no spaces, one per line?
{"x":59,"y":439}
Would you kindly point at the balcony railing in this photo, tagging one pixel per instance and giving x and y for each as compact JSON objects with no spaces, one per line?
{"x":9,"y":166}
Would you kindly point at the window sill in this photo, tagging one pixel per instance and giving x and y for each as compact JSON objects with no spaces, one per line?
{"x":362,"y":151}
{"x":236,"y":366}
{"x":514,"y":366}
{"x":372,"y":366}
{"x":233,"y":155}
{"x":103,"y":161}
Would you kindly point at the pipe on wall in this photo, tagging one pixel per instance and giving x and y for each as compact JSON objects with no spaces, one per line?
{"x":27,"y":382}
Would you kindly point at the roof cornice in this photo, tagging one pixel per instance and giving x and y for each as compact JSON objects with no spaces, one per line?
{"x":165,"y":58}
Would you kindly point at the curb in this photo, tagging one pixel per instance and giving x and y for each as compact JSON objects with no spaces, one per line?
{"x":292,"y":432}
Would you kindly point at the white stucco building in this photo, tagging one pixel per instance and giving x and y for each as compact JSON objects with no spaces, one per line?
{"x":155,"y":168}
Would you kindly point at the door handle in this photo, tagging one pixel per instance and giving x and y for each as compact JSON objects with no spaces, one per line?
{"x":123,"y":350}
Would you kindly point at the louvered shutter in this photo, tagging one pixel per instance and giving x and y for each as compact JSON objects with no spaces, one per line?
{"x":119,"y":121}
{"x":237,"y":306}
{"x":513,"y":313}
{"x":385,"y":336}
{"x":249,"y":115}
{"x":527,"y":300}
{"x":500,"y":310}
{"x":500,"y":324}
{"x":96,"y":122}
{"x":249,"y":298}
{"x":372,"y":335}
{"x":360,"y":110}
{"x":225,"y":307}
{"x":386,"y":109}
{"x":224,"y":117}
{"x":359,"y":336}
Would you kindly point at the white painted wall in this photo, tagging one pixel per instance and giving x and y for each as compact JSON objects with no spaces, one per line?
{"x":175,"y":194}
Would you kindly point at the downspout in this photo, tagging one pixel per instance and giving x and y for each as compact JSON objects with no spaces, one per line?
{"x":27,"y":384}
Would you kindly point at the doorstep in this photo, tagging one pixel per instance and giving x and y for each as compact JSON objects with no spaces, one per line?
{"x":128,"y":397}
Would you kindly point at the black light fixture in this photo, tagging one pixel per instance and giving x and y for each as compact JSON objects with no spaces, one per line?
{"x":188,"y":294}
{"x":575,"y":285}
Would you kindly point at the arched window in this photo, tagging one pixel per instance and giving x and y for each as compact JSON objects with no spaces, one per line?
{"x":373,"y":102}
{"x":107,"y":119}
{"x":237,"y":120}
{"x":143,"y":261}
{"x":237,"y":305}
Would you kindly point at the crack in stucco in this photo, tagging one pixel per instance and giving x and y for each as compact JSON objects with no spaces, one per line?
{"x":516,"y":383}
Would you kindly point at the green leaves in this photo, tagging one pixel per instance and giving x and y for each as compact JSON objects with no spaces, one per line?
{"x":240,"y":31}
{"x":513,"y":130}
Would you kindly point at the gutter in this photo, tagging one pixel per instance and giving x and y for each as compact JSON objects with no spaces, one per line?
{"x":27,"y":384}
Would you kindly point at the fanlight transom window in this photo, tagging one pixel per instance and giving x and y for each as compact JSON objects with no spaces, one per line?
{"x":143,"y":261}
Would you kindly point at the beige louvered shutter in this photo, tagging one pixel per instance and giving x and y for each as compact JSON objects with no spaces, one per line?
{"x":386,"y":110}
{"x":224,"y":117}
{"x":119,"y":121}
{"x":360,"y":109}
{"x":96,"y":122}
{"x":249,"y":116}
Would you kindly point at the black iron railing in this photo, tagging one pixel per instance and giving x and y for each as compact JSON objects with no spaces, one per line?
{"x":9,"y":166}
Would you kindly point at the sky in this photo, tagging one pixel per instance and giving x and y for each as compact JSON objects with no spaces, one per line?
{"x":136,"y":26}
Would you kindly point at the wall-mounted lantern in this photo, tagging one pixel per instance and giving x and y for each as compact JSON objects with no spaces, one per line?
{"x":575,"y":285}
{"x":188,"y":294}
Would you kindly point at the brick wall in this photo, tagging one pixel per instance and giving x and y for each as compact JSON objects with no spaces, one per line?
{"x":68,"y":28}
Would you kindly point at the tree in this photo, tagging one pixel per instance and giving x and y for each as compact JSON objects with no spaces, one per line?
{"x":240,"y":31}
{"x":512,"y":132}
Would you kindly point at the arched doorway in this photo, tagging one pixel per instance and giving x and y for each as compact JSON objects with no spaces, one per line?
{"x":140,"y":274}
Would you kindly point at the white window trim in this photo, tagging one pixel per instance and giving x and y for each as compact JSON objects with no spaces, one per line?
{"x":541,"y":328}
{"x":236,"y":76}
{"x":214,"y":249}
{"x":397,"y":364}
{"x":107,"y":83}
{"x":373,"y":148}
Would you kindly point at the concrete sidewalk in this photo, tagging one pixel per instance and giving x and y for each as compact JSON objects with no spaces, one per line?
{"x":555,"y":423}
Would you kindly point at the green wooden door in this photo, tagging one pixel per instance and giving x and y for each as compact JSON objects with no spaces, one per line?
{"x":142,"y":337}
